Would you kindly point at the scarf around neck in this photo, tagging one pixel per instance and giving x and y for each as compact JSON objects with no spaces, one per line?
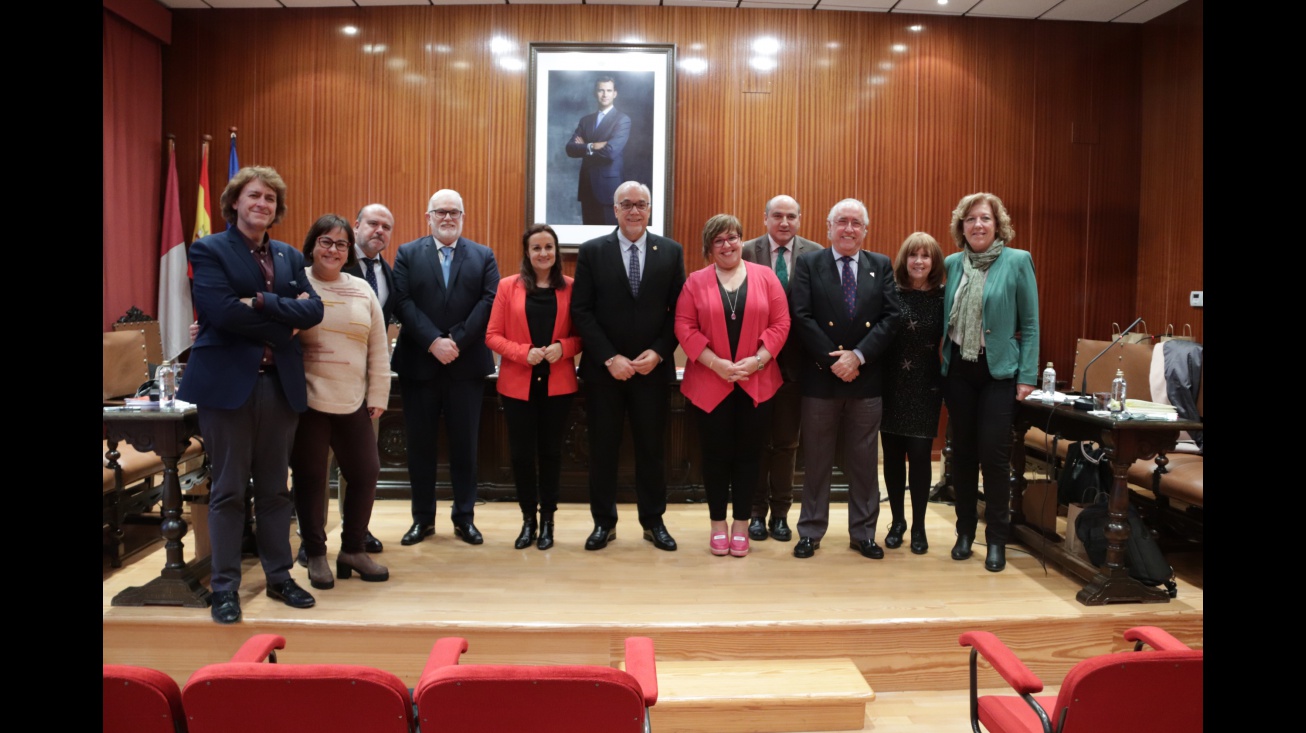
{"x":967,"y":317}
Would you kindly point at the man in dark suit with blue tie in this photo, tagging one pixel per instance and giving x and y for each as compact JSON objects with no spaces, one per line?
{"x":246,"y":375}
{"x":623,"y":307}
{"x":598,"y":141}
{"x":845,"y":310}
{"x":444,"y":287}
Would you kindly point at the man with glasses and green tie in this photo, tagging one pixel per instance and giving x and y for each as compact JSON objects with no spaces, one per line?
{"x":779,"y":248}
{"x":623,"y":307}
{"x":444,"y":286}
{"x":845,"y":310}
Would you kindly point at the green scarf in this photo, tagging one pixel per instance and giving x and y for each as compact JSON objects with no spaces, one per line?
{"x":967,"y":317}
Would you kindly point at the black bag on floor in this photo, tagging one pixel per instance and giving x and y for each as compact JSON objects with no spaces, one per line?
{"x":1143,"y":557}
{"x":1084,"y":475}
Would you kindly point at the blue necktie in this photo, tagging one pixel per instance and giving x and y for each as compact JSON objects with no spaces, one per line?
{"x":369,"y":273}
{"x":446,"y":257}
{"x":634,"y":271}
{"x":849,"y":286}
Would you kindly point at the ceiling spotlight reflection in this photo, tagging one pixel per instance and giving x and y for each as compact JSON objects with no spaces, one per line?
{"x":694,"y":66}
{"x":511,"y":63}
{"x":438,"y":48}
{"x":876,"y":80}
{"x":885,"y":65}
{"x":832,"y":44}
{"x":374,"y":48}
{"x":899,"y":47}
{"x":349,"y":30}
{"x":766,"y":46}
{"x":499,"y":45}
{"x":762,"y":63}
{"x":396,"y":63}
{"x":916,"y":28}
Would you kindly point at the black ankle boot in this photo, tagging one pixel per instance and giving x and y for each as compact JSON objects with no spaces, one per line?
{"x":527,"y":535}
{"x":997,"y":559}
{"x":893,"y":540}
{"x":961,"y":550}
{"x":919,"y":545}
{"x":546,"y":531}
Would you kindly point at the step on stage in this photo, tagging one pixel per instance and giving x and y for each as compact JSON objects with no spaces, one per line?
{"x":766,"y":642}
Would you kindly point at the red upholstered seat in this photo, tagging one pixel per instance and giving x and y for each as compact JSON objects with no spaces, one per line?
{"x":1127,"y":692}
{"x":453,"y":698}
{"x":250,"y":695}
{"x":141,"y":700}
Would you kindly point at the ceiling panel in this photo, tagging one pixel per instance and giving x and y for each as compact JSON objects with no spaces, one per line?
{"x":1018,"y":8}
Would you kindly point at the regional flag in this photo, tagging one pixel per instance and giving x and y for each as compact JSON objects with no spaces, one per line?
{"x":174,"y":286}
{"x":203,"y":222}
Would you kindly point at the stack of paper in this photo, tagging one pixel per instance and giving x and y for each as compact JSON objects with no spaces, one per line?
{"x":1143,"y":407}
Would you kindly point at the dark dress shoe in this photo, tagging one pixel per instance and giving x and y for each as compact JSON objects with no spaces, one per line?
{"x":919,"y":545}
{"x":780,"y":529}
{"x":997,"y":559}
{"x":961,"y":550}
{"x":600,"y":538}
{"x":527,"y":536}
{"x":417,"y":533}
{"x":469,"y":533}
{"x":756,"y":529}
{"x":289,"y":593}
{"x":546,"y":534}
{"x":868,"y":548}
{"x":372,"y":544}
{"x":660,"y":538}
{"x":225,"y":606}
{"x":301,"y":557}
{"x":806,"y":547}
{"x":893,"y":540}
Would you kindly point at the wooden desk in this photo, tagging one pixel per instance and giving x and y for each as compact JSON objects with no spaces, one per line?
{"x":1125,"y":442}
{"x":167,"y":433}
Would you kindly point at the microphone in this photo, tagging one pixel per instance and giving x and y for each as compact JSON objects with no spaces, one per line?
{"x":1085,"y":400}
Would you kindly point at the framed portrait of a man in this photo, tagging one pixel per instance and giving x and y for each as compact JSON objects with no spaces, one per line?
{"x":600,"y":115}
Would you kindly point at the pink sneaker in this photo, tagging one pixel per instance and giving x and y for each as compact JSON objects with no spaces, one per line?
{"x":718,"y":545}
{"x":739,"y":545}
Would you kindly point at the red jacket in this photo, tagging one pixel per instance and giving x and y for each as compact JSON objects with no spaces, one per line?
{"x":701,"y":322}
{"x":509,"y":335}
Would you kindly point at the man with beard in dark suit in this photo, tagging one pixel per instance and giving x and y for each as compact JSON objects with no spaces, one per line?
{"x":623,"y":307}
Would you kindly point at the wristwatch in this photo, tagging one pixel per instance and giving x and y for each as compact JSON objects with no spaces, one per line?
{"x":608,"y":363}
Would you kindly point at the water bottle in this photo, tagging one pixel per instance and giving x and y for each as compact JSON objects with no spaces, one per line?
{"x":1116,"y":404}
{"x":1049,"y":384}
{"x":166,"y":376}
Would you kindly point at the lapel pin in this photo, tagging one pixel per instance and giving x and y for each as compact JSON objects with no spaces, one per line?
{"x":655,"y":248}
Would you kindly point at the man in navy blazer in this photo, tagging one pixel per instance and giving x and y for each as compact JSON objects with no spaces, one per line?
{"x":845,"y":310}
{"x":444,"y":288}
{"x":623,"y":308}
{"x":599,"y":140}
{"x":246,"y":375}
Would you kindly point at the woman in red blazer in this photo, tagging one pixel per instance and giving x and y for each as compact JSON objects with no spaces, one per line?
{"x":732,"y":317}
{"x":530,"y":328}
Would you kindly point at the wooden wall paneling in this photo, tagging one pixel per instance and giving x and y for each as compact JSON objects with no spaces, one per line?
{"x":1004,"y":129}
{"x":505,"y":157}
{"x":1058,"y":229}
{"x":942,"y":63}
{"x":1158,"y":177}
{"x":888,"y":100}
{"x":1112,"y":248}
{"x":827,"y":128}
{"x":340,"y":112}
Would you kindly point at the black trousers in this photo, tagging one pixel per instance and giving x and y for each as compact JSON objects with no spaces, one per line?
{"x":535,"y":432}
{"x":776,"y":483}
{"x":731,"y":437}
{"x":608,"y":403}
{"x":250,"y":442}
{"x":980,"y":411}
{"x":458,"y":404}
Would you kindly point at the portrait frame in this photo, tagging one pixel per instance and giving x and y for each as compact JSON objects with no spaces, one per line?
{"x":562,"y":83}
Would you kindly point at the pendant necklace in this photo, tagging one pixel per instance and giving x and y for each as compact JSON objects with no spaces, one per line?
{"x":731,"y":301}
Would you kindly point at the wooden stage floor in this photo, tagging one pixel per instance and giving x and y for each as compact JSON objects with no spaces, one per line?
{"x":898,"y":619}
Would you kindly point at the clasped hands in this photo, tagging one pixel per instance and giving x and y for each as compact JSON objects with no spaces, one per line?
{"x":622,"y":368}
{"x":737,"y":371}
{"x":550,"y":353}
{"x":846,"y":365}
{"x":444,"y":349}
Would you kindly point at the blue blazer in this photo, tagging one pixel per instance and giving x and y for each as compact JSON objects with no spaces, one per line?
{"x":223,"y":365}
{"x":603,"y":168}
{"x":1010,"y":305}
{"x":428,"y":310}
{"x":820,"y":319}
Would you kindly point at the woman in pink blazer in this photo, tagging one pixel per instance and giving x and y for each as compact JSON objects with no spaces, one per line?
{"x":732,"y":317}
{"x":530,"y":328}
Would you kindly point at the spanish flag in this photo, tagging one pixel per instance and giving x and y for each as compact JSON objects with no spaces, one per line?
{"x":203,"y":222}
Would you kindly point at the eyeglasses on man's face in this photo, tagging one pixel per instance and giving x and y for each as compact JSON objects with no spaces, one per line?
{"x":627,"y":205}
{"x":856,"y":224}
{"x":445,"y":213}
{"x":339,"y":245}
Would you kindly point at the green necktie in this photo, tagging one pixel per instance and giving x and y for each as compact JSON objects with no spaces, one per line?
{"x":781,"y":269}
